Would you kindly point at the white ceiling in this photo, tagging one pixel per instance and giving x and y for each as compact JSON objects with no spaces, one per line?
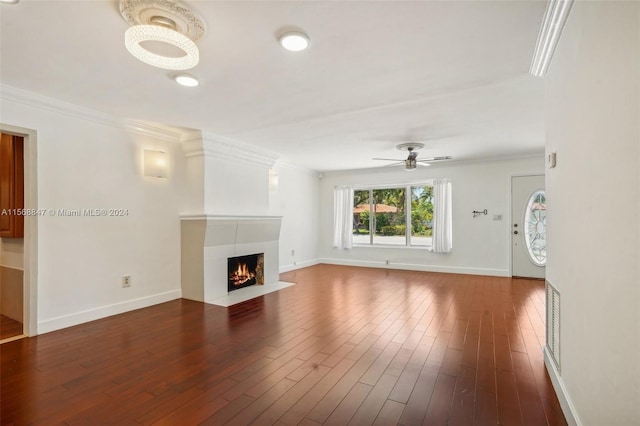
{"x":452,"y":75}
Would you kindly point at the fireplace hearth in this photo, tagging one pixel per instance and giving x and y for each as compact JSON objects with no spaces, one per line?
{"x":245,"y":271}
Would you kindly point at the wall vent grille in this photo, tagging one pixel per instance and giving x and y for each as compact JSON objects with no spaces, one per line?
{"x":553,"y":323}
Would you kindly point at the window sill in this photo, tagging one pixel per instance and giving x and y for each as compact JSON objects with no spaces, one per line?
{"x":387,"y":246}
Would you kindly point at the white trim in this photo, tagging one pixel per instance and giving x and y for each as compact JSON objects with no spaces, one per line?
{"x":248,"y":293}
{"x":568,"y":409}
{"x":393,"y":246}
{"x":279,"y":164}
{"x":473,"y":161}
{"x":299,"y":265}
{"x":24,"y":97}
{"x":404,"y":185}
{"x":30,"y":240}
{"x":81,"y":317}
{"x":551,"y":28}
{"x":155,"y":131}
{"x":417,"y":267}
{"x":226,"y":217}
{"x":203,"y":144}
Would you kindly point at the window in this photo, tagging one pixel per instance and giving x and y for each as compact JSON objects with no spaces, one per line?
{"x":394,"y":216}
{"x":535,"y":228}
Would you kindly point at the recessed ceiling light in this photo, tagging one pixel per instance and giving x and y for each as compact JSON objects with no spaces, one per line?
{"x":294,"y":41}
{"x":10,"y":1}
{"x":186,"y":80}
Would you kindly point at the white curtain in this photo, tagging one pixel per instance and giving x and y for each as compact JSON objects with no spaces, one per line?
{"x":343,"y":217}
{"x":442,"y":216}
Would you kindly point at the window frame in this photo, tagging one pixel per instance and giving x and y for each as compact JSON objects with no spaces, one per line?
{"x":408,"y":224}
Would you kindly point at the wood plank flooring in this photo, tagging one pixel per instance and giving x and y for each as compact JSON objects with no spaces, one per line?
{"x":344,"y":346}
{"x":9,"y":327}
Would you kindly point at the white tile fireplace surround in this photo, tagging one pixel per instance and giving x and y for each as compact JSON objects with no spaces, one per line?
{"x":208,"y":241}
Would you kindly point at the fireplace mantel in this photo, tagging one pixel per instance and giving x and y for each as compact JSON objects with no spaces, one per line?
{"x":207,"y":241}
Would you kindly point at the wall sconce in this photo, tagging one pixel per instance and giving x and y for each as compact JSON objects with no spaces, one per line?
{"x":155,"y":164}
{"x":273,"y":181}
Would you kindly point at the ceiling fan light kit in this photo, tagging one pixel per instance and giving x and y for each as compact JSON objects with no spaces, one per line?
{"x":163,"y":21}
{"x":412,"y":161}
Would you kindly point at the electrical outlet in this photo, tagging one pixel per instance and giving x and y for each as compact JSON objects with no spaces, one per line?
{"x":126,"y":281}
{"x":293,"y":252}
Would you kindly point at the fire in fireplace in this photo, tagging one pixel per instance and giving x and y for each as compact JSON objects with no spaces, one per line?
{"x":245,"y":271}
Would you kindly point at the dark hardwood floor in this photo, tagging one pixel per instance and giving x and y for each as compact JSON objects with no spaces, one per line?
{"x":344,"y":346}
{"x":9,"y":327}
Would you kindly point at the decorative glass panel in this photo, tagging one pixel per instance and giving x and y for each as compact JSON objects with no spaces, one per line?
{"x":535,"y":228}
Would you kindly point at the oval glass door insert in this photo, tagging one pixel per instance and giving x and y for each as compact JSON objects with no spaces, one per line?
{"x":535,"y":228}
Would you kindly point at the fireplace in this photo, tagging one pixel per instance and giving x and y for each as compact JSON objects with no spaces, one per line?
{"x":209,"y":243}
{"x":245,"y":271}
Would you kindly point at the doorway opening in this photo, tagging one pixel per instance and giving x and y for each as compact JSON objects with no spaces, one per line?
{"x":18,"y":256}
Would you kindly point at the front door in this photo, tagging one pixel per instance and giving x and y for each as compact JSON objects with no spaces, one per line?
{"x":528,"y":227}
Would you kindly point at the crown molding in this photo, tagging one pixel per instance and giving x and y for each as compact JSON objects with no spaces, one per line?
{"x":155,"y":131}
{"x":452,"y":163}
{"x":12,"y":94}
{"x":555,"y":17}
{"x":36,"y":100}
{"x":284,"y":165}
{"x":203,"y":144}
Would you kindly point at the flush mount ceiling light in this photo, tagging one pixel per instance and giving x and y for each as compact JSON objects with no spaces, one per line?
{"x":10,"y":1}
{"x":554,"y":19}
{"x":186,"y":80}
{"x":162,"y":22}
{"x":294,"y":41}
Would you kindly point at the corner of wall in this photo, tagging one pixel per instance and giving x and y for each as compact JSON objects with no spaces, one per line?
{"x":568,"y":409}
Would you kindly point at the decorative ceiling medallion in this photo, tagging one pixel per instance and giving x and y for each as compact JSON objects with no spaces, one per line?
{"x":145,"y":12}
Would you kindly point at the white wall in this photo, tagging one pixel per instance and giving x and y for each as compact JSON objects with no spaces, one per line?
{"x":225,"y":177}
{"x":593,"y":200}
{"x":84,"y":163}
{"x":296,"y":200}
{"x":480,"y":245}
{"x":11,"y":253}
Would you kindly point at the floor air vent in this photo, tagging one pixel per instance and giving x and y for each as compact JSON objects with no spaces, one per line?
{"x":553,"y":323}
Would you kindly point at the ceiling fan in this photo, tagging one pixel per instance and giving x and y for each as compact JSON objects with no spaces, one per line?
{"x":411,"y":162}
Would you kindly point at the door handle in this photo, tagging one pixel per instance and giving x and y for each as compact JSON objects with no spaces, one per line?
{"x":515,"y":232}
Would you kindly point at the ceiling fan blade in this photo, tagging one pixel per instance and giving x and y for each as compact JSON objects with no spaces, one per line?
{"x":387,"y":159}
{"x":431,"y":159}
{"x":395,"y":164}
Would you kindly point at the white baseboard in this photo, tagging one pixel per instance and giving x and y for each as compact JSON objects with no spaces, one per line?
{"x":418,"y":267}
{"x":65,"y":321}
{"x":566,"y":404}
{"x":299,"y":265}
